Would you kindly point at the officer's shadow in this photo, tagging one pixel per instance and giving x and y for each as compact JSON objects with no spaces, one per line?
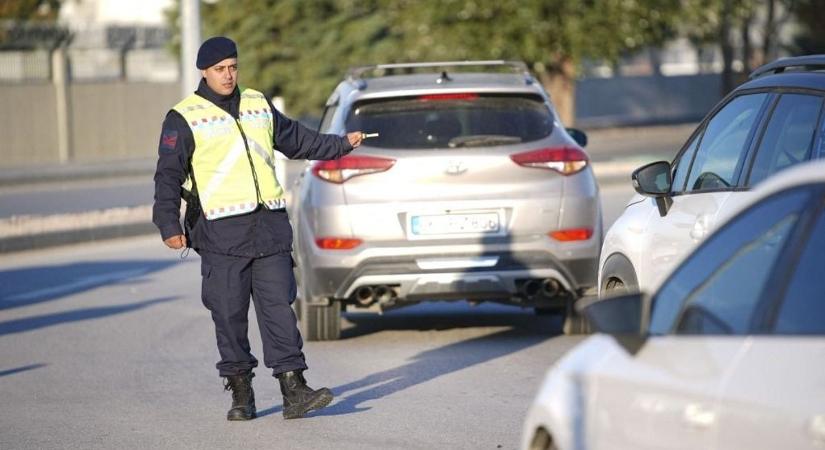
{"x":431,"y":364}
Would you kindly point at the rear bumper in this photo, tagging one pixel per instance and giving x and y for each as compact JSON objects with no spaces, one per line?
{"x":483,"y":277}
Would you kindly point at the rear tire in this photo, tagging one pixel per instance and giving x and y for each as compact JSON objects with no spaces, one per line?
{"x":318,"y":322}
{"x":614,"y":286}
{"x":618,"y":275}
{"x":542,"y":441}
{"x":321,"y":323}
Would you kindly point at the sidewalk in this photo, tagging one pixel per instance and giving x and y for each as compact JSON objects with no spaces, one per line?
{"x":614,"y":153}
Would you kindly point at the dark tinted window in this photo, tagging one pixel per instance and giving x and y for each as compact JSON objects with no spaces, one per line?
{"x":803,"y":311}
{"x":788,"y":136}
{"x":716,"y":290}
{"x":819,"y":145}
{"x":680,"y":169}
{"x":452,"y":120}
{"x":723,"y":143}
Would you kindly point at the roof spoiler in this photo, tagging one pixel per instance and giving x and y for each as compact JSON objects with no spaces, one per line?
{"x":805,"y":63}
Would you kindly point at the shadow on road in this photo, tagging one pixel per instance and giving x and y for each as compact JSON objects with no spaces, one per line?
{"x":448,"y":316}
{"x":32,"y":285}
{"x":524,"y":330}
{"x":7,"y":372}
{"x":47,"y":320}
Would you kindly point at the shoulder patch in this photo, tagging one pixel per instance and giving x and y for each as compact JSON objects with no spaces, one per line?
{"x":168,"y":141}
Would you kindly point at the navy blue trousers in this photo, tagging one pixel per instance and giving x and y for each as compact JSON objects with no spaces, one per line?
{"x":228,"y":284}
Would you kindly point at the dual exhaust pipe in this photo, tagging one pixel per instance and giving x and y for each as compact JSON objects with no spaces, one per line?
{"x":548,"y":287}
{"x":367,"y":295}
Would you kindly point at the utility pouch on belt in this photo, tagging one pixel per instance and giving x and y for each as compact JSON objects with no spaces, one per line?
{"x":191,"y":216}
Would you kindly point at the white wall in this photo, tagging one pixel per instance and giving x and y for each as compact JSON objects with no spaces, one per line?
{"x":83,"y":13}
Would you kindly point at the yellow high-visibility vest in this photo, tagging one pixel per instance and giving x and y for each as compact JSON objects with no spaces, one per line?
{"x":233,"y":163}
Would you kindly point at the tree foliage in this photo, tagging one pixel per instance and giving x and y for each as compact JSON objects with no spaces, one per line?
{"x":301,"y":48}
{"x":29,"y":10}
{"x":27,"y":24}
{"x":810,"y":16}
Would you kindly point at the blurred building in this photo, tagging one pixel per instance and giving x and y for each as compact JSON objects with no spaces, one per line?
{"x":119,"y":39}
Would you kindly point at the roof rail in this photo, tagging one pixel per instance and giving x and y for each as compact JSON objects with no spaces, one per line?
{"x":356,"y":72}
{"x":808,"y":62}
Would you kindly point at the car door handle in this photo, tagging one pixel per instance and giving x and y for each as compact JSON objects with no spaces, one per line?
{"x":699,"y":416}
{"x":817,"y":428}
{"x":699,"y":229}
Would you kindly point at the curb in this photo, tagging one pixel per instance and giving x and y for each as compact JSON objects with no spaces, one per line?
{"x":75,"y":172}
{"x":52,"y":239}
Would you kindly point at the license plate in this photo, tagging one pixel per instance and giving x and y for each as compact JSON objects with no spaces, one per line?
{"x":472,"y":223}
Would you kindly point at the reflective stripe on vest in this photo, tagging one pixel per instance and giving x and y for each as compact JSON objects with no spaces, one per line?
{"x":221,"y":160}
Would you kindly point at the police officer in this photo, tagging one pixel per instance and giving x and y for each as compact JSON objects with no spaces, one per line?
{"x":216,"y":151}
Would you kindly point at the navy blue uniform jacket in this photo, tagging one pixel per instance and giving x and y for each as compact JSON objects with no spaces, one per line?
{"x":260,"y":233}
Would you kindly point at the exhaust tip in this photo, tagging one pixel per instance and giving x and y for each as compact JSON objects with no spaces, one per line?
{"x":383,"y":294}
{"x":365,"y":295}
{"x":550,"y":287}
{"x":530,"y":288}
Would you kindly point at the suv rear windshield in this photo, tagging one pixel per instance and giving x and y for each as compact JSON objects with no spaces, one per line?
{"x":452,"y":120}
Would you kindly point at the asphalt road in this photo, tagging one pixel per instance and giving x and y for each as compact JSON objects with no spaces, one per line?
{"x":75,"y":196}
{"x":107,"y":345}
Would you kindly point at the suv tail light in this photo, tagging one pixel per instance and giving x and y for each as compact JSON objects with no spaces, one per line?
{"x":564,"y":160}
{"x":341,"y":170}
{"x":337,"y":243}
{"x":572,"y":234}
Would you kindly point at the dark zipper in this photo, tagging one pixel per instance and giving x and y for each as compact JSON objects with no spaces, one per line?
{"x":251,"y":164}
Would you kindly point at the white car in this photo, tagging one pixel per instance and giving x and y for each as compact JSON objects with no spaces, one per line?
{"x":766,"y":125}
{"x":729,"y":353}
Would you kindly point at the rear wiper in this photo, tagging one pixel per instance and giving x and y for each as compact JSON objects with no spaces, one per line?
{"x":477,"y":140}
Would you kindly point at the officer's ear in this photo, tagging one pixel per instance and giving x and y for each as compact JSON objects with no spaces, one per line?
{"x":203,"y":73}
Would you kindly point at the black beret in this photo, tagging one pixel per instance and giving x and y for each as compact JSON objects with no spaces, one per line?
{"x":215,"y":50}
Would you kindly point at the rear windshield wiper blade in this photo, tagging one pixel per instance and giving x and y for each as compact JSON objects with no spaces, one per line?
{"x":477,"y":140}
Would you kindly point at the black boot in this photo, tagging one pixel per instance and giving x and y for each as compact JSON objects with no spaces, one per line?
{"x":243,"y":397}
{"x":299,"y":398}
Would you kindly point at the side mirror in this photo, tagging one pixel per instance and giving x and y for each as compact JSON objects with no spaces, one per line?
{"x":654,"y":180}
{"x":578,"y":135}
{"x":620,"y":315}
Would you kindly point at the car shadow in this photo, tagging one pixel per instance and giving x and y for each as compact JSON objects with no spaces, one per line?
{"x":7,"y":372}
{"x":523,"y":330}
{"x":448,"y":316}
{"x":32,"y":285}
{"x":47,"y":320}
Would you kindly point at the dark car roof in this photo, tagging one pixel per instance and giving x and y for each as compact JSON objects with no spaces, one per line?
{"x":803,"y":80}
{"x":806,"y":72}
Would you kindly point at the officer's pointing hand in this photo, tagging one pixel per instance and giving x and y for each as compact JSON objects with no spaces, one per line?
{"x":176,"y":242}
{"x":355,"y":138}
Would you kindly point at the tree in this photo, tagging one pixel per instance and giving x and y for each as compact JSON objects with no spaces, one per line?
{"x":551,"y":36}
{"x":30,"y":10}
{"x":301,"y":48}
{"x":716,"y":22}
{"x":28,"y":24}
{"x":810,"y":15}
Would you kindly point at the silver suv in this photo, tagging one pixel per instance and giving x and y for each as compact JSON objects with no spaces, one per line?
{"x":472,"y":189}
